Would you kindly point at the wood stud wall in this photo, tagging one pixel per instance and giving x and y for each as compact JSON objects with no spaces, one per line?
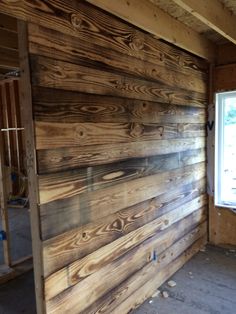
{"x":119,"y":121}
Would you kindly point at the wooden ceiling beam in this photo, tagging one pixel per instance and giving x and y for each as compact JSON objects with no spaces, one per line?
{"x":214,"y":14}
{"x":152,"y":19}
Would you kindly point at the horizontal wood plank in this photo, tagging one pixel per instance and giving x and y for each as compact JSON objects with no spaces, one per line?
{"x":85,"y":267}
{"x":57,"y":135}
{"x":66,"y":184}
{"x":83,"y":20}
{"x":84,"y":51}
{"x":67,"y":76}
{"x":62,"y":159}
{"x":61,"y":215}
{"x":89,"y":238}
{"x":59,"y":106}
{"x":80,"y":296}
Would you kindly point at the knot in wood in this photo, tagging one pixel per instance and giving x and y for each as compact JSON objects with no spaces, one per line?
{"x":136,"y":130}
{"x":76,"y":20}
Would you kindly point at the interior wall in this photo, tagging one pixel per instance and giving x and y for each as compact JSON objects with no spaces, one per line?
{"x":222,"y":222}
{"x":119,"y":121}
{"x":120,"y":139}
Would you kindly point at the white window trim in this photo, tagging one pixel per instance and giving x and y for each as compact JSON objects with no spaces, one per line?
{"x":219,"y":129}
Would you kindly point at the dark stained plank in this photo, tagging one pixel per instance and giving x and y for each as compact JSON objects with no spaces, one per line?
{"x":54,"y":160}
{"x":67,"y":76}
{"x":62,"y":215}
{"x":80,"y":296}
{"x":66,"y":184}
{"x":44,"y":42}
{"x":79,"y":270}
{"x":59,"y":106}
{"x":83,"y":21}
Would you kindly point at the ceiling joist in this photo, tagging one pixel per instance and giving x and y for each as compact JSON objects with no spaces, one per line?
{"x":214,"y":14}
{"x":152,"y":19}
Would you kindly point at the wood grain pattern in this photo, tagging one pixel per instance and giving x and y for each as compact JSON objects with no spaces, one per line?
{"x":59,"y":106}
{"x":115,"y":297}
{"x":85,"y":267}
{"x":60,"y":185}
{"x":63,"y":159}
{"x":62,"y":215}
{"x":89,"y":238}
{"x":84,"y":51}
{"x":57,"y":135}
{"x":119,"y":122}
{"x":64,"y":75}
{"x":70,"y":299}
{"x":83,"y":20}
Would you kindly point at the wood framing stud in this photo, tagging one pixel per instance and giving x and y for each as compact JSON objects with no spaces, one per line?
{"x":150,"y":18}
{"x":214,"y":14}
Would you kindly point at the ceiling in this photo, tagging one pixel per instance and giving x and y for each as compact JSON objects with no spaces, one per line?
{"x":188,"y":19}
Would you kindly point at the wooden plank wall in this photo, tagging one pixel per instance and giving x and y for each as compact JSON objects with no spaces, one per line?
{"x":119,"y":122}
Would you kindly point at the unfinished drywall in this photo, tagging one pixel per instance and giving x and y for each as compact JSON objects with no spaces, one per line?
{"x":119,"y":121}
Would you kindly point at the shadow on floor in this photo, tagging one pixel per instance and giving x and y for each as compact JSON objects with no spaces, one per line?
{"x":18,"y":296}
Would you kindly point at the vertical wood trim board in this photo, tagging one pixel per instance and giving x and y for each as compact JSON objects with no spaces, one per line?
{"x":117,"y":144}
{"x":27,"y":119}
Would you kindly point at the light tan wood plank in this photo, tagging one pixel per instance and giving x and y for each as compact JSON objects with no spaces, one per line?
{"x":56,"y":135}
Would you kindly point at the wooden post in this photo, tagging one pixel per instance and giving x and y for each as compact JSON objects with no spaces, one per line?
{"x":28,"y":124}
{"x":3,"y":205}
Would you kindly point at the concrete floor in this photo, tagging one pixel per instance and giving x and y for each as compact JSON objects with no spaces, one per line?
{"x":206,"y":284}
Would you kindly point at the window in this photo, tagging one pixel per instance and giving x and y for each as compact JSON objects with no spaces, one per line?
{"x":225,"y":150}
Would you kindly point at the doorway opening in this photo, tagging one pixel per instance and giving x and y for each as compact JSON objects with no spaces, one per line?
{"x":15,"y":230}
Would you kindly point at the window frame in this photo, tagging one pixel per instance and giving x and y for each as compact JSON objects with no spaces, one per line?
{"x":219,"y":144}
